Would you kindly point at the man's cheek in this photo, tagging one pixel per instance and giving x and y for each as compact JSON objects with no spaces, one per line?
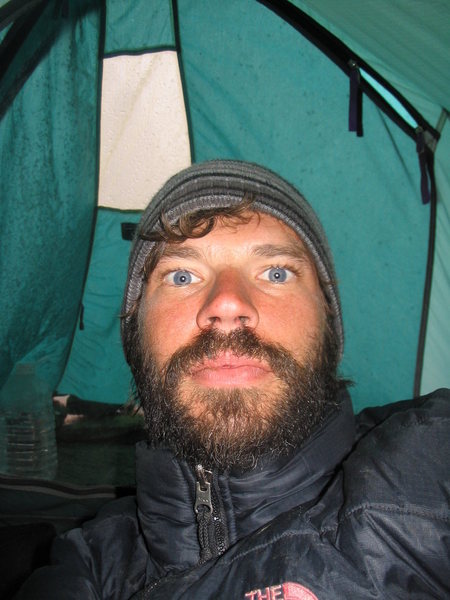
{"x":166,"y":333}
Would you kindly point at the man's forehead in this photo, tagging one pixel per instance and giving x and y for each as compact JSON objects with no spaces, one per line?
{"x":185,"y":251}
{"x":256,"y":234}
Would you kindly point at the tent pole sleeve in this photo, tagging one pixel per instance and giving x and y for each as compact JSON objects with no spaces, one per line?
{"x":429,"y":167}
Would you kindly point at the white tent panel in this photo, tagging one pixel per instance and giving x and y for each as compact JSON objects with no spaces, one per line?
{"x":144,"y":131}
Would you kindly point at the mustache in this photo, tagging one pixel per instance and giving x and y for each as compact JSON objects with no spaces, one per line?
{"x":212,"y":342}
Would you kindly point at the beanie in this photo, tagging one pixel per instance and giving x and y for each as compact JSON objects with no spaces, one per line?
{"x":221,"y":183}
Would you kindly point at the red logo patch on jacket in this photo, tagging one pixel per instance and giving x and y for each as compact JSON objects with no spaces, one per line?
{"x":283,"y":591}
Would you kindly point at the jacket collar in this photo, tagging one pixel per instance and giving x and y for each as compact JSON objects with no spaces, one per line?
{"x":166,"y":490}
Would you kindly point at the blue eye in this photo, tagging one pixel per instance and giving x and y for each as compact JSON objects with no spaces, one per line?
{"x":277,"y":274}
{"x":181,"y":278}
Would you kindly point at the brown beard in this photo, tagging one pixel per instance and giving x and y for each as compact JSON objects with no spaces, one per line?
{"x":235,"y":427}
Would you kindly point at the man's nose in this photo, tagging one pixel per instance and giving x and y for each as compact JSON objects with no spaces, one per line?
{"x":228,"y":305}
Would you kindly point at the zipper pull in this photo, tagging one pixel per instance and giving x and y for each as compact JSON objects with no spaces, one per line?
{"x":203,"y":489}
{"x":203,"y":509}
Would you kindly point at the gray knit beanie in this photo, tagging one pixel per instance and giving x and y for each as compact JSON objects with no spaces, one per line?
{"x":221,"y":183}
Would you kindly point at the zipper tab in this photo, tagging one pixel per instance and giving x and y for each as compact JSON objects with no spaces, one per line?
{"x":203,"y":489}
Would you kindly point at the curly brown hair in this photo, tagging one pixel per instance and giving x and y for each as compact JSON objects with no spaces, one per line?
{"x":193,"y":225}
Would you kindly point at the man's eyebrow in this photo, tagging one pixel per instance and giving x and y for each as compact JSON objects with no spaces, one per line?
{"x":174,"y":251}
{"x":295,"y":251}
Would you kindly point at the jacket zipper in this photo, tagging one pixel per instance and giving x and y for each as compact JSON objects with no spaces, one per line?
{"x":212,"y":531}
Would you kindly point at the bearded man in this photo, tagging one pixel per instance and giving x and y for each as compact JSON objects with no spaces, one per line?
{"x":256,"y":482}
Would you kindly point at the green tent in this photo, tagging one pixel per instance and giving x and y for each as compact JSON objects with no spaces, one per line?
{"x":101,"y":101}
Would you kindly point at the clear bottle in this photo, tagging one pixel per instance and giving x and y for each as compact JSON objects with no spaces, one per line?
{"x":27,"y":426}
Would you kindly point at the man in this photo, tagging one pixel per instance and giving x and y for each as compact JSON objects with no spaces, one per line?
{"x":256,"y":482}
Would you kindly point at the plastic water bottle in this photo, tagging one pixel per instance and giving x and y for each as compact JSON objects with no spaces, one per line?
{"x":27,"y":426}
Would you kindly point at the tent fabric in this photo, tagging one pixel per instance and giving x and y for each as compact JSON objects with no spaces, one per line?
{"x":134,"y":27}
{"x":405,"y":42}
{"x":436,"y":372}
{"x":96,"y":369}
{"x":254,"y":89}
{"x":47,"y":190}
{"x":143,"y":119}
{"x":408,"y":44}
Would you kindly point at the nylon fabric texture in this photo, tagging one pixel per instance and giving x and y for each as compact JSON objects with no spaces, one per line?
{"x":358,"y":537}
{"x":48,"y":196}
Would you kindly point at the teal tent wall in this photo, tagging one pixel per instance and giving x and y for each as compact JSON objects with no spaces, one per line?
{"x":48,"y":104}
{"x":408,"y":44}
{"x":254,"y":89}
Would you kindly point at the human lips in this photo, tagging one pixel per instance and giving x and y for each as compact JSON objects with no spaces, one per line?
{"x":228,"y":370}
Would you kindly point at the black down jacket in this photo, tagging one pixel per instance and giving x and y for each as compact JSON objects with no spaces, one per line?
{"x":359,"y":512}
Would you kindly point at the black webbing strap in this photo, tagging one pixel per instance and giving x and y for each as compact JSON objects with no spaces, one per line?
{"x":426,"y":165}
{"x":355,"y":105}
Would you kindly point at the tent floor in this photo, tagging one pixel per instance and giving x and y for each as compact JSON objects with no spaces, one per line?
{"x":96,"y":442}
{"x":96,"y":463}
